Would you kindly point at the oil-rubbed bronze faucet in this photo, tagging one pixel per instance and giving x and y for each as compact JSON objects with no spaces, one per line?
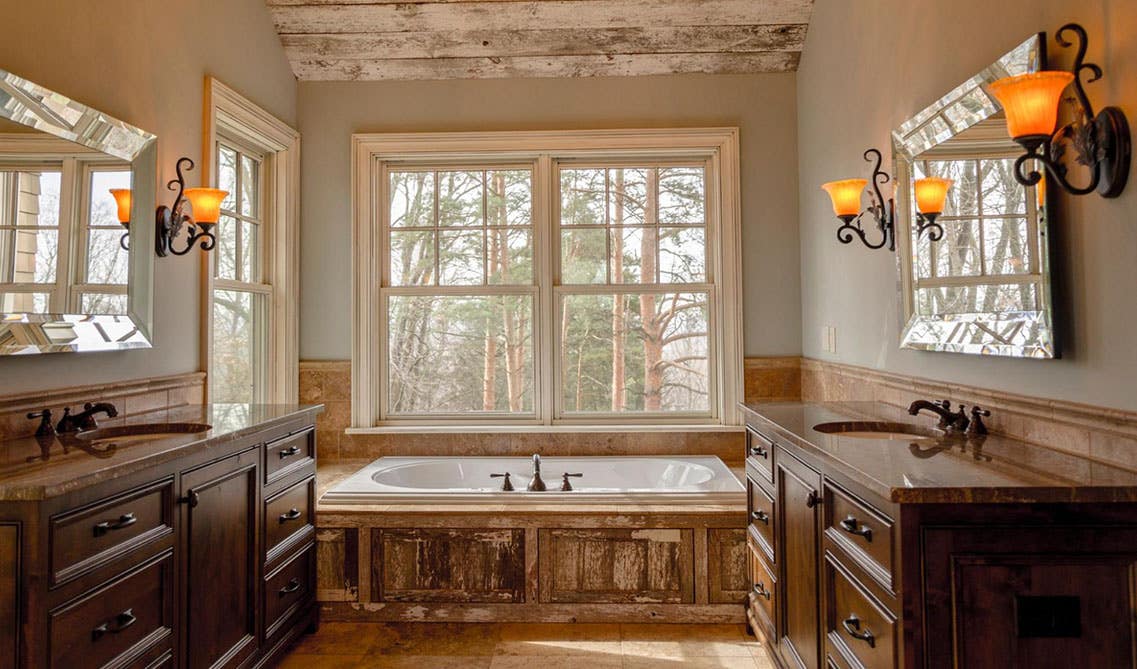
{"x":536,"y":485}
{"x":45,"y":428}
{"x":565,"y":485}
{"x":84,"y":420}
{"x":948,"y":421}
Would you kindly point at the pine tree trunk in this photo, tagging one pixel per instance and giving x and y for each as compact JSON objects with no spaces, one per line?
{"x":619,"y":370}
{"x":652,"y":322}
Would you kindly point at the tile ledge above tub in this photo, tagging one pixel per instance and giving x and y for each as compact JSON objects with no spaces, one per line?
{"x":540,"y":429}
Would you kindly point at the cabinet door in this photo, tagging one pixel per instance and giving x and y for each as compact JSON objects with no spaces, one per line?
{"x":798,"y":542}
{"x":219,"y":566}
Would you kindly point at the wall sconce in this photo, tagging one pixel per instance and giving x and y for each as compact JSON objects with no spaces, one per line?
{"x":204,"y":212}
{"x":846,"y":195}
{"x":122,"y":199}
{"x":1101,"y":142}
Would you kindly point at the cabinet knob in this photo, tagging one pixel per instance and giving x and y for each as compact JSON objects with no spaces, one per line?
{"x":812,"y":499}
{"x":192,"y":498}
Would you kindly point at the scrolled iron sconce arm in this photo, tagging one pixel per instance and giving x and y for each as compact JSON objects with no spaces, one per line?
{"x":1100,"y":141}
{"x":882,"y":212}
{"x":927,"y":223}
{"x":170,"y":220}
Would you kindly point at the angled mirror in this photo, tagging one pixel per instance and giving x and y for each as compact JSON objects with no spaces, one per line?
{"x":983,"y":288}
{"x":73,"y":278}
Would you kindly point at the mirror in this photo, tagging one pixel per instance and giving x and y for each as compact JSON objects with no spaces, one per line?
{"x":67,"y":281}
{"x":984,"y":288}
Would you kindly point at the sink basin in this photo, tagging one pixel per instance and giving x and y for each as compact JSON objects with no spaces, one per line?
{"x":141,"y":432}
{"x":859,"y":429}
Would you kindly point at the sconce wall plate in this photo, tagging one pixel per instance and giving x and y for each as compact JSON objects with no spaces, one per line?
{"x":1100,"y":141}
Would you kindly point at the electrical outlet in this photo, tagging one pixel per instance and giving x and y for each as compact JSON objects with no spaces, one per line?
{"x":832,"y":339}
{"x":828,"y":339}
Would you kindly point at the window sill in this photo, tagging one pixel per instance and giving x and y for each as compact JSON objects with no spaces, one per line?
{"x":546,"y":429}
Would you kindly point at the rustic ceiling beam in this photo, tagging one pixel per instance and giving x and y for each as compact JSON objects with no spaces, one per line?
{"x":541,"y":67}
{"x":560,"y":42}
{"x":521,"y":15}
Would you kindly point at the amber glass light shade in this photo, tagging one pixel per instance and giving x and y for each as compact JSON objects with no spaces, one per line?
{"x":846,"y":196}
{"x":122,"y":199}
{"x":1031,"y":101}
{"x":206,"y":203}
{"x":931,"y":193}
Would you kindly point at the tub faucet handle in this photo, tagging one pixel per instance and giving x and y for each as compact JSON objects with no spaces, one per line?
{"x":565,"y":485}
{"x":508,"y":485}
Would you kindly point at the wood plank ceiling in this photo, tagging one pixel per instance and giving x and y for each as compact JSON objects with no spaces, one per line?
{"x":349,"y":40}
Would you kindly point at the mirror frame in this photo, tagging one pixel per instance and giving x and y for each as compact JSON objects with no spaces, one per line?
{"x":29,"y":104}
{"x":912,"y":139}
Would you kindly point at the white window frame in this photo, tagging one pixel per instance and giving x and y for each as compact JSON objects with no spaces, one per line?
{"x":239,"y":120}
{"x":75,"y":164}
{"x":717,"y":148}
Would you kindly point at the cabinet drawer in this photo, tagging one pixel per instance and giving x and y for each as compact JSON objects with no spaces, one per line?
{"x":289,"y":454}
{"x":89,"y":537}
{"x":289,"y":589}
{"x":857,"y":627}
{"x":763,"y":588}
{"x":760,"y":452}
{"x":120,"y":622}
{"x":863,"y":532}
{"x":761,"y":513}
{"x":287,"y":515}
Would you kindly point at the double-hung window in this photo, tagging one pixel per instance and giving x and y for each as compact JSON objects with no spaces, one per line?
{"x":546,"y":279}
{"x":60,"y":249}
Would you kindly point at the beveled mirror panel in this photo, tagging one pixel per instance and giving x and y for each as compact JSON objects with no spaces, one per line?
{"x":71,"y":279}
{"x":984,"y":288}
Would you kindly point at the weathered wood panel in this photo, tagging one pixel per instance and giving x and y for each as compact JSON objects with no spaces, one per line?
{"x":617,"y":566}
{"x":545,"y":66}
{"x":9,"y":592}
{"x":435,"y":16}
{"x":557,"y":42}
{"x":337,"y":564}
{"x":727,"y":575}
{"x":448,"y":565}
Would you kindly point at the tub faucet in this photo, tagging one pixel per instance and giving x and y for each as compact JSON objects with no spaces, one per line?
{"x":536,"y":485}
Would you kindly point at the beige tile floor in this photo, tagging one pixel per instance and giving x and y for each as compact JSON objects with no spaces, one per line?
{"x":522,"y":646}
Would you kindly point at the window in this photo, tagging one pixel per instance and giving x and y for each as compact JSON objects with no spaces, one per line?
{"x":60,"y":237}
{"x":252,"y":290}
{"x":546,"y":285}
{"x":987,"y":261}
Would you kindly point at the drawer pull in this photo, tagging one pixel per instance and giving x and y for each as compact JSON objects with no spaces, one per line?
{"x":850,"y":525}
{"x":759,"y":452}
{"x":291,"y":514}
{"x":125,"y":520}
{"x":120,"y":622}
{"x":293,"y":586}
{"x":852,"y":625}
{"x":761,"y":591}
{"x":761,"y":516}
{"x":289,"y":452}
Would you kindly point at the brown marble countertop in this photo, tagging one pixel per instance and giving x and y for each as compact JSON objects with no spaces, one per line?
{"x":32,"y":469}
{"x":944,"y":469}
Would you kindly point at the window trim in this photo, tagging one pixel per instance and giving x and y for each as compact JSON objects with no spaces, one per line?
{"x":241,"y":121}
{"x":719,"y":147}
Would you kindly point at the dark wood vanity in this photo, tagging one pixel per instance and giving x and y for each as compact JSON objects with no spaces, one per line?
{"x":945,"y":552}
{"x":186,"y":551}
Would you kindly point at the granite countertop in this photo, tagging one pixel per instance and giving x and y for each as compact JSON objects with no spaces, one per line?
{"x":947,"y":468}
{"x":32,"y":469}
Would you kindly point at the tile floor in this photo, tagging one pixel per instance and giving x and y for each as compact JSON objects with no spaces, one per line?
{"x":521,"y":646}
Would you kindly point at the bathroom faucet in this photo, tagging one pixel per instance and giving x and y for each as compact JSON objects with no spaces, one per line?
{"x":84,"y":420}
{"x":536,"y":485}
{"x":942,"y":408}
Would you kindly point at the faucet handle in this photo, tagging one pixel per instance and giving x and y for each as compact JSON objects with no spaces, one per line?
{"x":45,"y":427}
{"x":565,"y":485}
{"x":977,"y":426}
{"x":945,"y":404}
{"x":507,"y":486}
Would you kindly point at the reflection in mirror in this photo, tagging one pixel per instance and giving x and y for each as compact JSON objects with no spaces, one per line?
{"x":984,"y":288}
{"x":68,"y":281}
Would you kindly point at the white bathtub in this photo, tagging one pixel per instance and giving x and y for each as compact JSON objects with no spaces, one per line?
{"x":606,"y":479}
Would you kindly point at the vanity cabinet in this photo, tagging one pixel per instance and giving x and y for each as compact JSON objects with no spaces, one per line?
{"x":847,"y":579}
{"x":187,"y":563}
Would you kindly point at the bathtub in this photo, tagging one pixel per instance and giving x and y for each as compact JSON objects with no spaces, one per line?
{"x":606,"y":479}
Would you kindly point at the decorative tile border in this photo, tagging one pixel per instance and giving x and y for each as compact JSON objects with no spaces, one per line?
{"x":131,"y":398}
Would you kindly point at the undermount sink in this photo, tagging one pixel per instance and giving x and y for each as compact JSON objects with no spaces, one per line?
{"x":859,"y":429}
{"x":141,"y":432}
